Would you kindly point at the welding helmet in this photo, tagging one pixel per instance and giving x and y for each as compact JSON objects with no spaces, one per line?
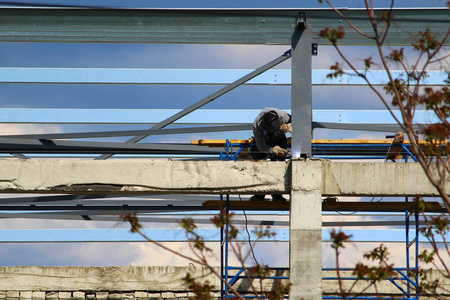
{"x":269,"y":122}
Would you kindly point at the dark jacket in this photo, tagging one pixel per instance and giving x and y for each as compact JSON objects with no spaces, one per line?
{"x":262,"y":138}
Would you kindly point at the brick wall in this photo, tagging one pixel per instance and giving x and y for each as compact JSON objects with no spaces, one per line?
{"x":138,"y":282}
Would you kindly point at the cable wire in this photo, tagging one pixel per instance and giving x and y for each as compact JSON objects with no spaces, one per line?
{"x":356,"y":211}
{"x":248,"y":233}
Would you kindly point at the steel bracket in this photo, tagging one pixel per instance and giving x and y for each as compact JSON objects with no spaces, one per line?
{"x":301,"y":21}
{"x":314,"y":49}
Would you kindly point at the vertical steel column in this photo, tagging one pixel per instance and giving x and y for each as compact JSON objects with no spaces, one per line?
{"x":416,"y":267}
{"x":301,"y":90}
{"x":407,"y":224}
{"x":222,"y":255}
{"x":408,"y":265}
{"x":227,"y":229}
{"x":222,"y":259}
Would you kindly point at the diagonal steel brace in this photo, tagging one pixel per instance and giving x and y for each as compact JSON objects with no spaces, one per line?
{"x":286,"y":55}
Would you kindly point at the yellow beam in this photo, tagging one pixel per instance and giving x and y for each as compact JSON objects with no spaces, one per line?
{"x":221,"y":143}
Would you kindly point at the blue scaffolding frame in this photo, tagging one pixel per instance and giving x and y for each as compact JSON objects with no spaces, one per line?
{"x":404,"y":274}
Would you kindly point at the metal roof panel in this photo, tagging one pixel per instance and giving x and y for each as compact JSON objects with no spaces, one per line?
{"x":237,"y":26}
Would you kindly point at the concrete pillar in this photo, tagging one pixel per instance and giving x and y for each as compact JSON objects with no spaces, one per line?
{"x":306,"y":231}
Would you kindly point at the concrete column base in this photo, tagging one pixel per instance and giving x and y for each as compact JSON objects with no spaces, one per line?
{"x":306,"y":231}
{"x":306,"y":264}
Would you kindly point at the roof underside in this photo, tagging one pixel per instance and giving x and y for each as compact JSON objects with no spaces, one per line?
{"x":202,"y":26}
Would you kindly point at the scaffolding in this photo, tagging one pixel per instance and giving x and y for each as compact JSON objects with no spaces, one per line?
{"x":409,"y":274}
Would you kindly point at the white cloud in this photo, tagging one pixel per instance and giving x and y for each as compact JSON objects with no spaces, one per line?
{"x":12,"y":129}
{"x":183,"y":56}
{"x":153,"y":255}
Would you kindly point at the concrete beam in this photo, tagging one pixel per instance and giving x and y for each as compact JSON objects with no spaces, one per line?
{"x":375,"y":179}
{"x":126,"y":278}
{"x":142,"y":176}
{"x":159,"y":279}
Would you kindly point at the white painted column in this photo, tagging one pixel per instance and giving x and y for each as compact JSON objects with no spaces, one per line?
{"x":306,"y":230}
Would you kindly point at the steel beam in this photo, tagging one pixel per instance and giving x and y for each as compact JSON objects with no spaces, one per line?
{"x":199,"y":117}
{"x":13,"y":145}
{"x":221,"y":26}
{"x":140,"y":76}
{"x":102,"y":134}
{"x":301,"y":92}
{"x":359,"y":127}
{"x":192,"y":76}
{"x":177,"y":235}
{"x":148,"y":132}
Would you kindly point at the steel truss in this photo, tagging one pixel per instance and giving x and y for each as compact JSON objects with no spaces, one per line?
{"x":301,"y":85}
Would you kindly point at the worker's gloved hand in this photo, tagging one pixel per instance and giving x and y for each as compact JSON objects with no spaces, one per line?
{"x":286,"y":128}
{"x":281,"y":152}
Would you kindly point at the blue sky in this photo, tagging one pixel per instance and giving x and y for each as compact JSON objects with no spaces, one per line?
{"x":146,"y":96}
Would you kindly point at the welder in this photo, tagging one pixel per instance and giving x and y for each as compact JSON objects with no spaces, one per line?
{"x":269,"y":130}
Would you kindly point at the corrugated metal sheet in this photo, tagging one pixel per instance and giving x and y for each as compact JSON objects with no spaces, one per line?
{"x":202,"y":26}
